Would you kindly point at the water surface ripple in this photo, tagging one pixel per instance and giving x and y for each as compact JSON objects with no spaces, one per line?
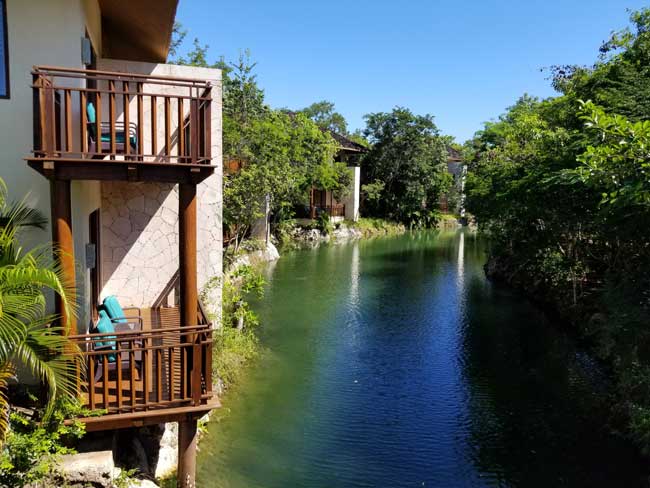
{"x":394,"y":363}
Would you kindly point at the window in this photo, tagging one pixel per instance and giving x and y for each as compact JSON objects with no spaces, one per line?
{"x":4,"y":55}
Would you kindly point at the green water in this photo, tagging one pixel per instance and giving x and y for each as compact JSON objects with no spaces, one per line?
{"x":393,"y":362}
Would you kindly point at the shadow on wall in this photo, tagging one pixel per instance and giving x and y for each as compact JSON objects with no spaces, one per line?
{"x":139,"y":240}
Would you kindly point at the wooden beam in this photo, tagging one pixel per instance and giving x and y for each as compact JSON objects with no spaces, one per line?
{"x":189,"y":304}
{"x":62,"y":238}
{"x":187,"y":438}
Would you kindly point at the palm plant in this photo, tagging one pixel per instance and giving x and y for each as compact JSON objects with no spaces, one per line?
{"x":26,"y":334}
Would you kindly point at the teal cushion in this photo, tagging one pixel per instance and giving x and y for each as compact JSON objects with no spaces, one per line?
{"x":91,"y":114}
{"x":114,"y":309}
{"x":105,"y":326}
{"x":119,"y":138}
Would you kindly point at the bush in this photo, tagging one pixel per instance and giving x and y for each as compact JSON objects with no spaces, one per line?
{"x":32,"y":449}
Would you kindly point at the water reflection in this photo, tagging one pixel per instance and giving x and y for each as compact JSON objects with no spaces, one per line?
{"x":395,"y":363}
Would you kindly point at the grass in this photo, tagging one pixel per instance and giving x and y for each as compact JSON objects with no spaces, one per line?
{"x":375,"y":227}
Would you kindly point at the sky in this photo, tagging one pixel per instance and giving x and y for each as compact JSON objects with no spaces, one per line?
{"x":462,"y":61}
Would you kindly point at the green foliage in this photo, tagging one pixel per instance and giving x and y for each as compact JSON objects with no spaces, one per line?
{"x":370,"y":227}
{"x":26,"y":336}
{"x":32,"y":449}
{"x":617,"y":164}
{"x":325,"y":116}
{"x":236,"y":343}
{"x":562,"y":188}
{"x":409,"y":157}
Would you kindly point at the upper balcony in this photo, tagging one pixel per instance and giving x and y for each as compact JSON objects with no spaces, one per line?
{"x":103,"y":125}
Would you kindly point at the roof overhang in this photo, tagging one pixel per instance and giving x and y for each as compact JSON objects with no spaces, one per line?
{"x":137,"y":30}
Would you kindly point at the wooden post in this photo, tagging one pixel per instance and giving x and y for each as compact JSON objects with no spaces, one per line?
{"x":62,"y":238}
{"x":187,"y":437}
{"x":189,"y":307}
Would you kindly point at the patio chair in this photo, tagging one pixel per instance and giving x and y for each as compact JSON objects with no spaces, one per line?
{"x":104,"y":143}
{"x":113,"y":318}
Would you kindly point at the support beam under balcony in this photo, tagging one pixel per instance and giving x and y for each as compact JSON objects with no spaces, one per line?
{"x":64,"y":246}
{"x":187,"y":431}
{"x":116,"y":170}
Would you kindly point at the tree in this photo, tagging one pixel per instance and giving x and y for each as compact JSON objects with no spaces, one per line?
{"x":561,"y":187}
{"x":26,"y":333}
{"x":326,"y":117}
{"x":408,"y":156}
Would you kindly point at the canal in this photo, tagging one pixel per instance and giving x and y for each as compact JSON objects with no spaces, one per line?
{"x":394,"y":363}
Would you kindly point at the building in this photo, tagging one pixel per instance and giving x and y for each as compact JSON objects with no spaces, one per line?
{"x":454,"y":201}
{"x":324,"y":201}
{"x":124,"y":152}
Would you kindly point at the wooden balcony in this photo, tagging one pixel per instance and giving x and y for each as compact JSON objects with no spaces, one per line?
{"x":146,"y":376}
{"x":336,"y":210}
{"x":99,"y":125}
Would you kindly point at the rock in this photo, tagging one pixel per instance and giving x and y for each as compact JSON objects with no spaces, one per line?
{"x":95,"y":468}
{"x":168,"y":453}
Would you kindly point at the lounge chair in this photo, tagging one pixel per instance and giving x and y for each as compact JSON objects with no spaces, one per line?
{"x":104,"y":145}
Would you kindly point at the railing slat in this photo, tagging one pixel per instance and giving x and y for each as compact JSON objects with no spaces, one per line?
{"x":83,"y":130}
{"x":68,"y":120}
{"x":171,"y":373}
{"x":159,"y":375}
{"x":118,"y":355}
{"x":105,"y":376}
{"x":98,"y":122}
{"x":154,"y":125}
{"x":168,"y":126}
{"x":111,"y":118}
{"x":134,"y":392}
{"x":140,"y":130}
{"x":91,"y":383}
{"x":194,"y":131}
{"x":181,"y":131}
{"x":145,"y":373}
{"x":127,"y":120}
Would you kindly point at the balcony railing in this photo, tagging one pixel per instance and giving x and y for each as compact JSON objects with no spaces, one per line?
{"x":87,"y":114}
{"x":336,"y":210}
{"x":141,"y":371}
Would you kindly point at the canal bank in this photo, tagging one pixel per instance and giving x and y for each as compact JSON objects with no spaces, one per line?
{"x":394,"y":362}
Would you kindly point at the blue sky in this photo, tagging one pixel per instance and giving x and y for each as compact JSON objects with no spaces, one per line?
{"x":462,"y":61}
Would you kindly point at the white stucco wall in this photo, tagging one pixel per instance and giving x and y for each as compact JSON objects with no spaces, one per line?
{"x":44,"y":32}
{"x":351,"y":200}
{"x":140,"y":220}
{"x":49,"y":32}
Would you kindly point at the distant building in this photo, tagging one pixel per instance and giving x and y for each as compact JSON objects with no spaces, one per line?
{"x":324,"y":201}
{"x":454,"y":200}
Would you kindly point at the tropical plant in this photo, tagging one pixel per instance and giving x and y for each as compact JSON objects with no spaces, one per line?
{"x":408,"y":157}
{"x":27,"y":335}
{"x":563,"y":191}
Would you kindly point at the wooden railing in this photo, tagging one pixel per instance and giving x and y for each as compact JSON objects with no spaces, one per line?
{"x":82,"y":114}
{"x":128,"y":372}
{"x":336,"y":210}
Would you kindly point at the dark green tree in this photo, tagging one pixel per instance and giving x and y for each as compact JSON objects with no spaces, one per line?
{"x":326,"y":117}
{"x":407,"y":158}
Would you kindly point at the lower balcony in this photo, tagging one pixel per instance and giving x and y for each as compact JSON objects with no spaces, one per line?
{"x":149,"y":371}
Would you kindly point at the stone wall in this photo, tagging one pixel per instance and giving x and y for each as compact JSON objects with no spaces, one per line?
{"x":140,"y":239}
{"x":140,"y":220}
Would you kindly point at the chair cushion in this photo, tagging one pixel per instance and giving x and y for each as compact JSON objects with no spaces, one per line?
{"x":114,"y":309}
{"x":105,"y":326}
{"x":90,"y":113}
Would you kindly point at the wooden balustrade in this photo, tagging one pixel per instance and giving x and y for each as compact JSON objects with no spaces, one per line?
{"x":89,"y":114}
{"x":129,"y":372}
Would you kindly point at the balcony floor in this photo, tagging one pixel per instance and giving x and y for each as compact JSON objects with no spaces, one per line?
{"x":120,"y":170}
